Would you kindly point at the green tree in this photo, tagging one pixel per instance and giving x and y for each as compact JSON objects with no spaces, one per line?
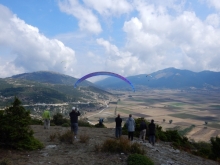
{"x":215,"y":142}
{"x":58,"y":119}
{"x":15,"y":128}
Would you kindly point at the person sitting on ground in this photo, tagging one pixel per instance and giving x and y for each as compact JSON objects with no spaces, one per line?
{"x":143,"y":129}
{"x":152,"y":131}
{"x":130,"y":123}
{"x":46,"y":118}
{"x":118,"y":122}
{"x":74,"y":120}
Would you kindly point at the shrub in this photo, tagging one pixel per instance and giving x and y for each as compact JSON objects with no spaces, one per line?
{"x":110,"y":145}
{"x":135,"y":159}
{"x":5,"y":162}
{"x":65,"y":125}
{"x":98,"y":147}
{"x":52,"y":124}
{"x":215,"y":147}
{"x":121,"y":145}
{"x":84,"y":138}
{"x":202,"y":149}
{"x":84,"y":123}
{"x":35,"y":121}
{"x":59,"y":120}
{"x":67,"y":137}
{"x":136,"y":148}
{"x":124,"y":145}
{"x":15,"y":128}
{"x":100,"y":125}
{"x":53,"y":136}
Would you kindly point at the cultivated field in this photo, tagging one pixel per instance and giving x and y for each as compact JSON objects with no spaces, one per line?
{"x":195,"y":113}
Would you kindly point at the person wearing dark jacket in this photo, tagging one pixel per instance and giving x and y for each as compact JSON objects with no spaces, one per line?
{"x":143,"y":129}
{"x":74,"y":121}
{"x":118,"y":122}
{"x":152,"y":131}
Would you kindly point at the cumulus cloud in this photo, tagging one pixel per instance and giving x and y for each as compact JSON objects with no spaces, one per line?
{"x":87,"y":20}
{"x":27,"y":50}
{"x":213,"y":20}
{"x":120,"y":61}
{"x":214,"y":3}
{"x":109,"y":7}
{"x":163,"y":40}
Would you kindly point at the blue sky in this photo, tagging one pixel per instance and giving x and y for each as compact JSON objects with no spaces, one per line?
{"x":128,"y":37}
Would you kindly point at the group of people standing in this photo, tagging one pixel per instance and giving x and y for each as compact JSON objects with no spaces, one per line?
{"x":130,"y":124}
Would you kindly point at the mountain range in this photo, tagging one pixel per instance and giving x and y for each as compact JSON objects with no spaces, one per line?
{"x":170,"y":78}
{"x":52,"y":87}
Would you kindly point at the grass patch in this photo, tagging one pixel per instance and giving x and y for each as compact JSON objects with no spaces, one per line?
{"x":177,"y":104}
{"x":124,"y":110}
{"x":135,"y":159}
{"x":186,"y":130}
{"x":188,"y":116}
{"x":216,"y":107}
{"x":214,"y":125}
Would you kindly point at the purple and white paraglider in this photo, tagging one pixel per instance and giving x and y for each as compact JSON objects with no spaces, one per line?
{"x":104,"y":73}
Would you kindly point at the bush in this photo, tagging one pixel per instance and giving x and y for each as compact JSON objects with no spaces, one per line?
{"x":65,"y":125}
{"x":35,"y":121}
{"x":53,"y":136}
{"x":136,"y":148}
{"x":15,"y":128}
{"x":67,"y":137}
{"x":121,"y":145}
{"x":100,"y":125}
{"x":84,"y":138}
{"x":84,"y":123}
{"x":215,"y":147}
{"x":59,"y":120}
{"x":5,"y":162}
{"x":135,"y":159}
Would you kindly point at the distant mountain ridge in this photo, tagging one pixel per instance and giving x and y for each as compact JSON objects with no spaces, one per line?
{"x":49,"y":77}
{"x":170,"y":78}
{"x":47,"y":87}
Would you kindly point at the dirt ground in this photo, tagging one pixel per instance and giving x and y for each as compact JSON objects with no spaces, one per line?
{"x":57,"y":153}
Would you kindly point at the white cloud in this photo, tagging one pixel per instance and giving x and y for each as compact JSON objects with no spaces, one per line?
{"x":213,"y":20}
{"x":27,"y":49}
{"x":109,"y":7}
{"x":214,"y":3}
{"x":122,"y":62}
{"x":183,"y":41}
{"x":87,"y":20}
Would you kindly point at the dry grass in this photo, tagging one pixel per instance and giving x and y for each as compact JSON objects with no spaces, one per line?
{"x":53,"y":137}
{"x":84,"y":138}
{"x":67,"y":137}
{"x":122,"y":145}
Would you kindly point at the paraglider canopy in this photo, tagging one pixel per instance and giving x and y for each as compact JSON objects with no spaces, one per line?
{"x":104,"y":73}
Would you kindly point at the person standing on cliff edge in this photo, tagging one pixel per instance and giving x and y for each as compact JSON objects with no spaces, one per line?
{"x":74,"y":121}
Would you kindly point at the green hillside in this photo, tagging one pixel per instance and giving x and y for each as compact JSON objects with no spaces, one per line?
{"x":32,"y":90}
